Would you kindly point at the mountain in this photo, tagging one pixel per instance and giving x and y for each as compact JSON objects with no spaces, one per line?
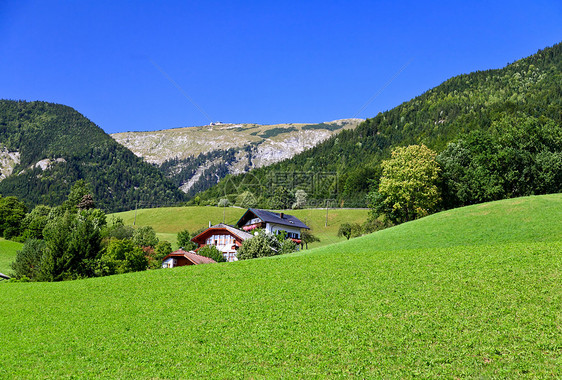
{"x":195,"y":158}
{"x":525,"y":95}
{"x":46,"y":147}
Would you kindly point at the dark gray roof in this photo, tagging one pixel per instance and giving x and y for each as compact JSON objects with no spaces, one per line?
{"x":273,"y":217}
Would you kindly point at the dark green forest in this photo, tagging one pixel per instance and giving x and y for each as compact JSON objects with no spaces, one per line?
{"x":517,"y":110}
{"x":41,"y":130}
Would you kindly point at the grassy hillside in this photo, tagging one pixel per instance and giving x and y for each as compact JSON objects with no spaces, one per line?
{"x":471,"y":300}
{"x":528,"y":219}
{"x":8,"y":250}
{"x":168,"y":221}
{"x":46,"y":147}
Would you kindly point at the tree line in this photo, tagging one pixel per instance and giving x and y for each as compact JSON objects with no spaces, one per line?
{"x":75,"y":240}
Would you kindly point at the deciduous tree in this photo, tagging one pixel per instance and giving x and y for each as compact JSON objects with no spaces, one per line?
{"x":408,"y":185}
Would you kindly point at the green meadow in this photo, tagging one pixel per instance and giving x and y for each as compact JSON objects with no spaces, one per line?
{"x":474,"y":292}
{"x":168,"y":221}
{"x":8,"y":252}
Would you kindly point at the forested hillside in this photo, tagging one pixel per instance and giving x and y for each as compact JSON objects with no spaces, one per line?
{"x":45,"y":148}
{"x":510,"y":118}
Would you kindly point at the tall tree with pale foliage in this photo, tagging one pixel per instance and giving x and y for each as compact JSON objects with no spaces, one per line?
{"x":408,"y":185}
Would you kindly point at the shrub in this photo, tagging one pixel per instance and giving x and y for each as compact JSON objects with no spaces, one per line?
{"x":258,"y":246}
{"x":307,"y":238}
{"x":119,"y":230}
{"x":264,"y":245}
{"x":345,"y":230}
{"x":350,"y":230}
{"x":157,"y":254}
{"x":211,"y":252}
{"x":376,"y":224}
{"x":122,"y":256}
{"x":145,"y":237}
{"x":184,"y":240}
{"x":28,"y":260}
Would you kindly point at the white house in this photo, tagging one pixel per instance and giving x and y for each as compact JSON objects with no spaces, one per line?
{"x":273,"y":223}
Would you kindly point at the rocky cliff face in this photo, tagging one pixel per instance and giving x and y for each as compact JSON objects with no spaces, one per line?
{"x":8,"y":160}
{"x":197,"y":157}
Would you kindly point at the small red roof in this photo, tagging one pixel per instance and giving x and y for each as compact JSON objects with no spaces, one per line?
{"x":191,"y":256}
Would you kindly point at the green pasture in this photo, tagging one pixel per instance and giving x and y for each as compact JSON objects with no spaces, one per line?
{"x":470,"y":293}
{"x":8,"y":251}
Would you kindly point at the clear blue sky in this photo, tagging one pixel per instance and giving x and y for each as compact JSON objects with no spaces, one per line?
{"x":253,"y":61}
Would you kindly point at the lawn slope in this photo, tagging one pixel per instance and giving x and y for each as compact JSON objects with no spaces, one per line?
{"x":8,"y":252}
{"x":527,"y":219}
{"x":465,"y":302}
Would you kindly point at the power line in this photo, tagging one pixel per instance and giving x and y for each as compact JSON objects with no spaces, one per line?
{"x":181,"y":90}
{"x":382,"y":88}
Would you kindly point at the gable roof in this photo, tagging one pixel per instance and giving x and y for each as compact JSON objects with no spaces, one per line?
{"x":272,"y":217}
{"x":242,"y":235}
{"x":191,"y":256}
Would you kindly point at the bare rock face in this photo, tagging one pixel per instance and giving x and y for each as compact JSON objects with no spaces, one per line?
{"x":8,"y":161}
{"x":255,"y":146}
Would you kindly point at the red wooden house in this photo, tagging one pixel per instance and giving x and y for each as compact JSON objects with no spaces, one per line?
{"x":226,"y":238}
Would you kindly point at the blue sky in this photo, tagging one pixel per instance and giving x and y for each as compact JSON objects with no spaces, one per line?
{"x":253,"y":62}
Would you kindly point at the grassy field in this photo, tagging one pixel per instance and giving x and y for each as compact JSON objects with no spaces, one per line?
{"x":473,"y":292}
{"x":8,"y":250}
{"x":168,"y":221}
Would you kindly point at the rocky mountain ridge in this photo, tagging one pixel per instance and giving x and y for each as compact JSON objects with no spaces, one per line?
{"x":195,"y":158}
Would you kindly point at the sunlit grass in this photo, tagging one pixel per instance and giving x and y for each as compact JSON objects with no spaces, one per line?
{"x":473,"y":292}
{"x":8,"y":252}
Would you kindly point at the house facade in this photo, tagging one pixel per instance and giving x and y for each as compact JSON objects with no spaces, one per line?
{"x":226,"y":238}
{"x":181,"y":258}
{"x":273,"y":223}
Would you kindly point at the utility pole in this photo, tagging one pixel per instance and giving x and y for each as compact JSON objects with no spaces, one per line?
{"x":326,"y":223}
{"x":136,"y":207}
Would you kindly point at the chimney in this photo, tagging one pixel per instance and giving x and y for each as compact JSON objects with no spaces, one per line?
{"x":209,"y":224}
{"x":282,"y":215}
